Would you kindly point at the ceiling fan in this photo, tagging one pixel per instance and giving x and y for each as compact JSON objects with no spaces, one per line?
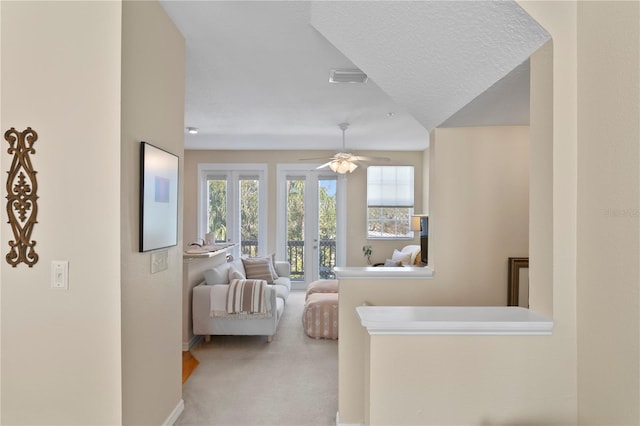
{"x":343,"y":162}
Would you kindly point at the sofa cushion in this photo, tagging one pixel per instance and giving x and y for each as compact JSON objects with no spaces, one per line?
{"x":283,"y":268}
{"x":217,"y":275}
{"x":258,"y":268}
{"x":274,"y":270}
{"x":283,"y":281}
{"x":282,"y":291}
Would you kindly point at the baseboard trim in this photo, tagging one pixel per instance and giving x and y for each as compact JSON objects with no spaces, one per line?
{"x":191,"y":343}
{"x":345,"y":424}
{"x":173,"y":417}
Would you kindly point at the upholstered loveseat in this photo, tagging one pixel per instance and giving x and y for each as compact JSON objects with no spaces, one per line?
{"x":210,"y":297}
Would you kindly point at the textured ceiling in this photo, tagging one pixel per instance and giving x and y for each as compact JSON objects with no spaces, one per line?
{"x":441,"y":55}
{"x":257,"y":72}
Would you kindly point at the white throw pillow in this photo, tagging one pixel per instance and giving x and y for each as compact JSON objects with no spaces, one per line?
{"x":217,"y":275}
{"x":403,"y":258}
{"x":390,"y":262}
{"x":235,"y":274}
{"x":414,"y":250}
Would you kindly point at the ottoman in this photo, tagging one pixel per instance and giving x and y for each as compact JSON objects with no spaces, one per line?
{"x":320,"y":316}
{"x":322,"y":286}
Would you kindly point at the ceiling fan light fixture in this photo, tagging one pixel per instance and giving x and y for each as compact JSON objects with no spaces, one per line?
{"x":342,"y":166}
{"x":347,"y":76}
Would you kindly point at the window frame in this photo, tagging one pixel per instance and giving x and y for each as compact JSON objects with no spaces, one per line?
{"x":234,"y":172}
{"x":368,"y":207}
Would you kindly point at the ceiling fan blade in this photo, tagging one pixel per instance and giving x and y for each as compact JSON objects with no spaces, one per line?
{"x":377,"y":159}
{"x":324,"y":165}
{"x":313,"y":159}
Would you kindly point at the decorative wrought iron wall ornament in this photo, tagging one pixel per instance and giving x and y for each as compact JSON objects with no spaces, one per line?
{"x":22,"y":189}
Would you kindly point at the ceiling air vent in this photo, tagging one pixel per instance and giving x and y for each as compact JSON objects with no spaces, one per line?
{"x":347,"y":76}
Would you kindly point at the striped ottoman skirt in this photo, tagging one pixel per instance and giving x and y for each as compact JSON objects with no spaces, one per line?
{"x":320,"y":316}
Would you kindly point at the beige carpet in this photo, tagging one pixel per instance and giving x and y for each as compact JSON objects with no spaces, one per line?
{"x":243,"y":380}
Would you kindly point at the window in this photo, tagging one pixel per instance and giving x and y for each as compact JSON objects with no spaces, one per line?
{"x":232,"y":205}
{"x":389,"y":202}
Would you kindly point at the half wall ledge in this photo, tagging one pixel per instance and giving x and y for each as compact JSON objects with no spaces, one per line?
{"x":383,"y":272}
{"x":453,"y":320}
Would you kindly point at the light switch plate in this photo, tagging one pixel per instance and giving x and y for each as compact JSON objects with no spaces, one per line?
{"x":159,"y":261}
{"x":60,"y":274}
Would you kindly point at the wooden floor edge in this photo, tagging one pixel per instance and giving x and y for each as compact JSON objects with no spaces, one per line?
{"x":189,"y":364}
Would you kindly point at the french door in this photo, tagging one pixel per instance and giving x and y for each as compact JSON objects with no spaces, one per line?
{"x":310,"y":222}
{"x":233,"y":206}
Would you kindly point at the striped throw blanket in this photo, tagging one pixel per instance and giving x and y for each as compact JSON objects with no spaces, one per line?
{"x":247,"y":297}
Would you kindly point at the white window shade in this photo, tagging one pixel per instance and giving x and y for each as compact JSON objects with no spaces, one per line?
{"x":390,"y":186}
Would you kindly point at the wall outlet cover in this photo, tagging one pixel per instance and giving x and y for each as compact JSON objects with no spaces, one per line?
{"x":159,"y":261}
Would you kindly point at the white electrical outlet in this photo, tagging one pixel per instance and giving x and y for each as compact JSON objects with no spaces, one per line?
{"x":60,"y":274}
{"x":159,"y":261}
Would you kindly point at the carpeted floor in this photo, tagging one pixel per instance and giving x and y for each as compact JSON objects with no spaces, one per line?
{"x":243,"y":380}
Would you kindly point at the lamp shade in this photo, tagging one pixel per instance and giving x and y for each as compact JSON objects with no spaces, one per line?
{"x":415,"y":223}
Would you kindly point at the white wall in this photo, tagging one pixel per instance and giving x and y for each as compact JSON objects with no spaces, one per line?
{"x":608,"y":213}
{"x":1,"y":232}
{"x":426,"y":166}
{"x":61,"y":350}
{"x":152,"y":111}
{"x":479,"y":210}
{"x":93,"y":78}
{"x":541,"y":151}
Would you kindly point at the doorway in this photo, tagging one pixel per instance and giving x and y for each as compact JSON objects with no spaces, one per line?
{"x":310,"y":222}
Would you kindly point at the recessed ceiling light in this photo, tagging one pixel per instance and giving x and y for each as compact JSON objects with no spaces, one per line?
{"x":192,"y":130}
{"x":347,"y":76}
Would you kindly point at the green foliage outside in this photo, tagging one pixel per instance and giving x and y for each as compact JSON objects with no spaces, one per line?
{"x":249,"y":216}
{"x":327,"y":216}
{"x":218,"y":209}
{"x":295,"y":210}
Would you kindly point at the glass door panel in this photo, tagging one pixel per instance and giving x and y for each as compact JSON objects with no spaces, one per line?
{"x":310,"y":222}
{"x":327,"y":226}
{"x":217,"y":209}
{"x":249,"y":216}
{"x":295,"y":223}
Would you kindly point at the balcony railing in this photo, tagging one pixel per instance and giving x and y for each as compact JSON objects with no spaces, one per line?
{"x":295,"y":256}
